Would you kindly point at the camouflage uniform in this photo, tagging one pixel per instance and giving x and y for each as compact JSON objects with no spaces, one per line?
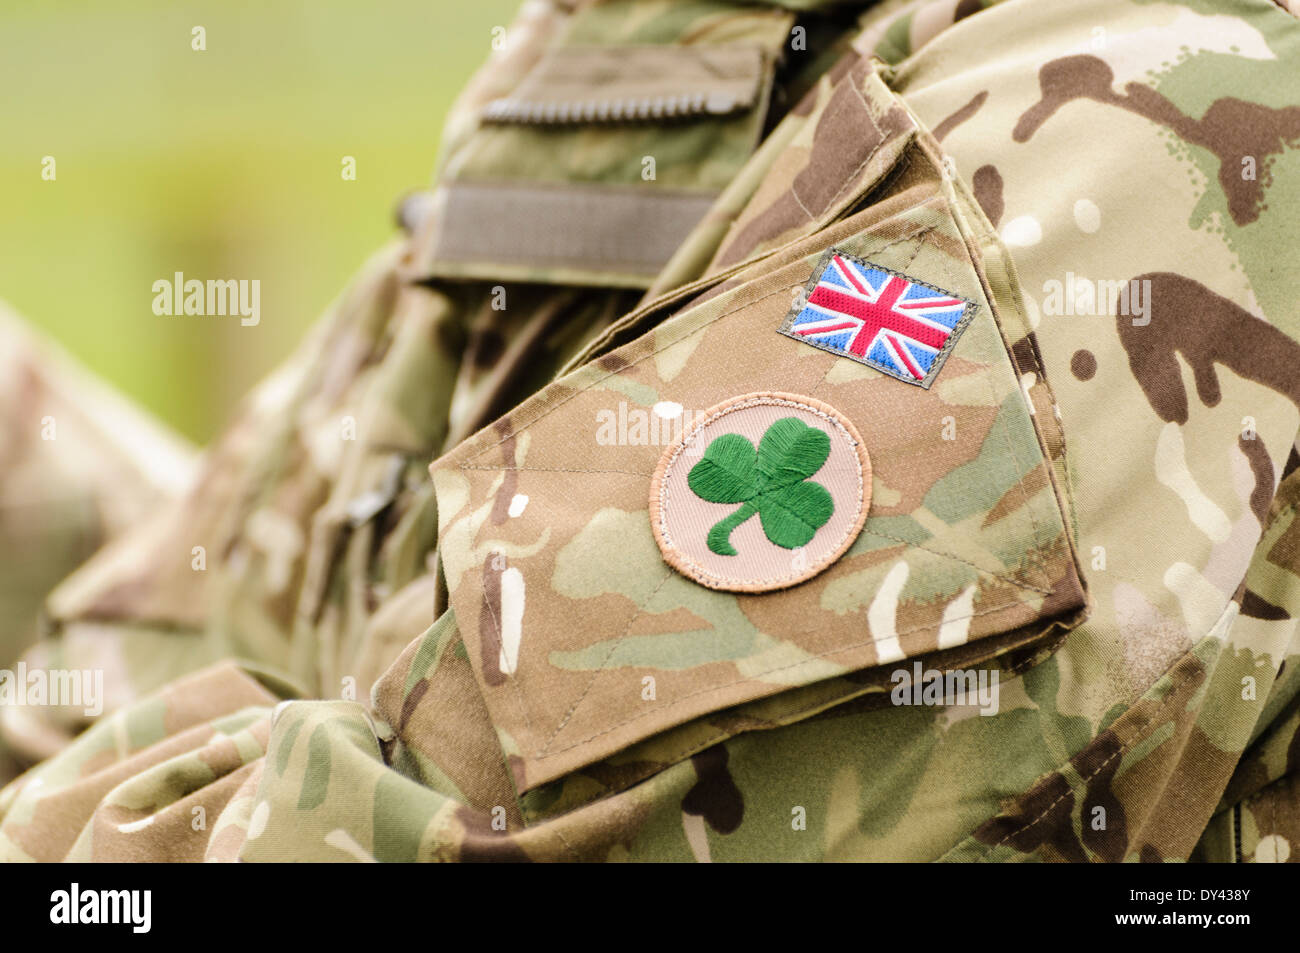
{"x":78,"y":465}
{"x":1093,"y":496}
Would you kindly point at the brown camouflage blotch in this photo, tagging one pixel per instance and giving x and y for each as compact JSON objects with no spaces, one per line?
{"x":612,"y":362}
{"x":481,"y":844}
{"x":1256,"y":606}
{"x":1261,"y":465}
{"x":1231,"y":128}
{"x":169,"y":837}
{"x":1099,"y":762}
{"x":509,"y":475}
{"x":1083,"y":364}
{"x":952,"y":121}
{"x":1225,"y":333}
{"x":518,"y":771}
{"x":1286,"y":551}
{"x":1027,"y":355}
{"x":845,"y":136}
{"x":57,"y":818}
{"x":1292,"y":462}
{"x":987,"y":183}
{"x":715,"y":796}
{"x":1015,"y":497}
{"x":485,"y":347}
{"x":1042,"y":816}
{"x":411,"y":701}
{"x":1189,"y":772}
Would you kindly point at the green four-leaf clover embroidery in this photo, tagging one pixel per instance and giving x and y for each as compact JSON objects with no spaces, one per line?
{"x":771,"y":481}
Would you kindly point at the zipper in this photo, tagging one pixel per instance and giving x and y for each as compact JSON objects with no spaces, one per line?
{"x":627,"y":109}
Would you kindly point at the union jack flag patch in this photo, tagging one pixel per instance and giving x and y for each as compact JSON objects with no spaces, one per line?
{"x":879,"y":317}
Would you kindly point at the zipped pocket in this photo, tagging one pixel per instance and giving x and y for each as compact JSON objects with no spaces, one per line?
{"x":607,"y":152}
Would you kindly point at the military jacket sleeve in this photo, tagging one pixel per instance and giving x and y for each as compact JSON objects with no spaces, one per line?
{"x":899,"y":465}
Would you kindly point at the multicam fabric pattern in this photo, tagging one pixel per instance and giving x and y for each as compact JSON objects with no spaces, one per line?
{"x":78,"y":466}
{"x":1092,"y":510}
{"x":929,"y":575}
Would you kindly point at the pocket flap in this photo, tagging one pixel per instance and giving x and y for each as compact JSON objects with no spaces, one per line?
{"x":600,"y":160}
{"x":633,"y":83}
{"x":586,"y":640}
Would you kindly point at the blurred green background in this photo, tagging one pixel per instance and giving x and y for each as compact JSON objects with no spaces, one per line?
{"x":219,"y":164}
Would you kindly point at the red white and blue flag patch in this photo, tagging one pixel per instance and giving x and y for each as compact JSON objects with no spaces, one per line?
{"x":879,"y":317}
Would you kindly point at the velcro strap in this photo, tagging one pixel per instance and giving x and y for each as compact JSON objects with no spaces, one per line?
{"x":623,"y":234}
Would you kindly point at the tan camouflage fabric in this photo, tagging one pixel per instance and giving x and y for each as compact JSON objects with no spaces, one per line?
{"x":79,"y":464}
{"x":435,"y":620}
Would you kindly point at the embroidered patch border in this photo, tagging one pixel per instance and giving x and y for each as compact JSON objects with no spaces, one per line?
{"x":902,"y":358}
{"x":856,"y":502}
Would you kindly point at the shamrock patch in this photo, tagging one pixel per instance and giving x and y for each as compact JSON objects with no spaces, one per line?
{"x":771,"y":481}
{"x":761,"y":492}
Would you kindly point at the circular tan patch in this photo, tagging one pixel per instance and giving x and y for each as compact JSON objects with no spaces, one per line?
{"x":750,"y":518}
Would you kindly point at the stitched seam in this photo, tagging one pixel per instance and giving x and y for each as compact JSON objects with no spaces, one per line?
{"x":542,"y":754}
{"x":851,"y":180}
{"x":723,"y":735}
{"x":1032,"y":661}
{"x":1138,"y":735}
{"x":902,"y":161}
{"x":689,"y":750}
{"x":1070,"y":791}
{"x":954,"y":213}
{"x":640,"y":610}
{"x":988,"y":572}
{"x":918,"y":237}
{"x":1058,"y":425}
{"x":699,"y":572}
{"x":519,"y":695}
{"x":567,"y":846}
{"x":1020,"y":481}
{"x":794,"y":193}
{"x":546,"y":752}
{"x":940,"y":359}
{"x":558,"y":470}
{"x":608,"y":655}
